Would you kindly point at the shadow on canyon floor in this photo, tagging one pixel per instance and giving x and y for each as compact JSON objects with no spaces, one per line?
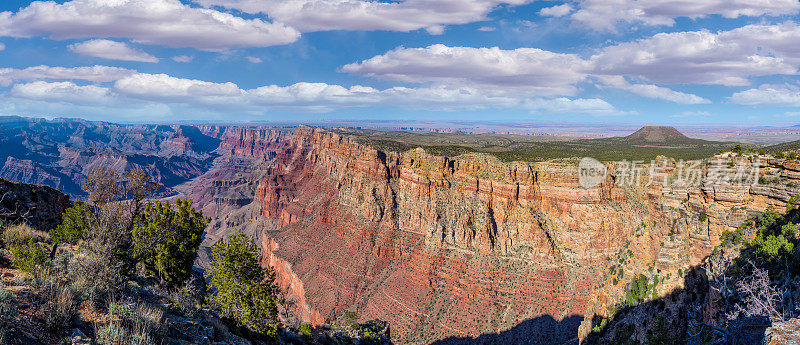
{"x":543,"y":330}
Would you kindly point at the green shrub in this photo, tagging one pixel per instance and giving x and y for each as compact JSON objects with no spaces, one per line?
{"x":731,"y":238}
{"x":166,"y":239}
{"x":702,"y":216}
{"x":28,"y":257}
{"x":779,"y":155}
{"x":74,"y":224}
{"x":8,"y":313}
{"x":306,"y":333}
{"x":640,"y":289}
{"x":793,"y":203}
{"x":791,"y":230}
{"x":772,"y":245}
{"x":243,"y":290}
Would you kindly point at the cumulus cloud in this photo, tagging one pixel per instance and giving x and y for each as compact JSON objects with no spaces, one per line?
{"x":556,"y":11}
{"x":253,"y":59}
{"x":313,"y":97}
{"x":183,"y":58}
{"x":702,"y":57}
{"x":161,"y":22}
{"x":407,"y":15}
{"x":728,"y":58}
{"x":145,"y":90}
{"x":111,"y":50}
{"x":651,"y":91}
{"x":526,"y":69}
{"x":62,"y":91}
{"x":769,"y":95}
{"x":2,"y":46}
{"x":487,"y":28}
{"x":91,"y":73}
{"x":165,"y":87}
{"x":607,"y":14}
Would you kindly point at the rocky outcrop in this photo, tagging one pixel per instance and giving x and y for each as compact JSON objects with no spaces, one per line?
{"x":460,"y":246}
{"x":786,"y":333}
{"x":37,"y":205}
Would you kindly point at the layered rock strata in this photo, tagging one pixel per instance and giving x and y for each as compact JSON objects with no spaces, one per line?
{"x":457,"y":247}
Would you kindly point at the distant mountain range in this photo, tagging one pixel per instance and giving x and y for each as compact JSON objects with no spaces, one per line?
{"x":59,"y":153}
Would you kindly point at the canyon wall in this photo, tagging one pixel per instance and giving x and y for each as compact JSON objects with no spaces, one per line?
{"x":449,"y":249}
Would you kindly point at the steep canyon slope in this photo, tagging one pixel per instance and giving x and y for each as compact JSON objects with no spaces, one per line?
{"x":451,"y":249}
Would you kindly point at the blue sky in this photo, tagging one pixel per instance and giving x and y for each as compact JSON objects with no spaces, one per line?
{"x":666,"y":62}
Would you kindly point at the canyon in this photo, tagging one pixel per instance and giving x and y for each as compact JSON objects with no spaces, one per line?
{"x":60,"y":152}
{"x":452,"y":249}
{"x":469,"y":248}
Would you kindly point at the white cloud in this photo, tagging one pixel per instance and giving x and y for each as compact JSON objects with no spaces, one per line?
{"x":165,"y":87}
{"x":487,"y":28}
{"x":2,"y":46}
{"x":534,"y":71}
{"x":566,"y":105}
{"x":91,"y":73}
{"x":607,"y":14}
{"x":701,"y":57}
{"x":62,"y":91}
{"x":556,"y":11}
{"x":151,"y":90}
{"x":183,"y":58}
{"x":111,"y":50}
{"x":253,"y":59}
{"x":315,"y":97}
{"x":642,"y":67}
{"x":769,"y":95}
{"x":161,"y":22}
{"x":407,"y":15}
{"x":651,"y":91}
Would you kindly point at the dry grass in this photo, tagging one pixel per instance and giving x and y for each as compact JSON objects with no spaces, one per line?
{"x":8,"y":313}
{"x":132,"y":323}
{"x":22,"y":234}
{"x":59,"y":306}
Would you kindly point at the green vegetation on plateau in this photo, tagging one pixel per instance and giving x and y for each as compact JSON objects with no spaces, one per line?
{"x":643,"y":145}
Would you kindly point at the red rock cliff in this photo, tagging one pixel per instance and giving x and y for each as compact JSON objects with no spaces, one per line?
{"x":469,"y":245}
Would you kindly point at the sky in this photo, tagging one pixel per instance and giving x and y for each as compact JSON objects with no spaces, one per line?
{"x":609,"y":61}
